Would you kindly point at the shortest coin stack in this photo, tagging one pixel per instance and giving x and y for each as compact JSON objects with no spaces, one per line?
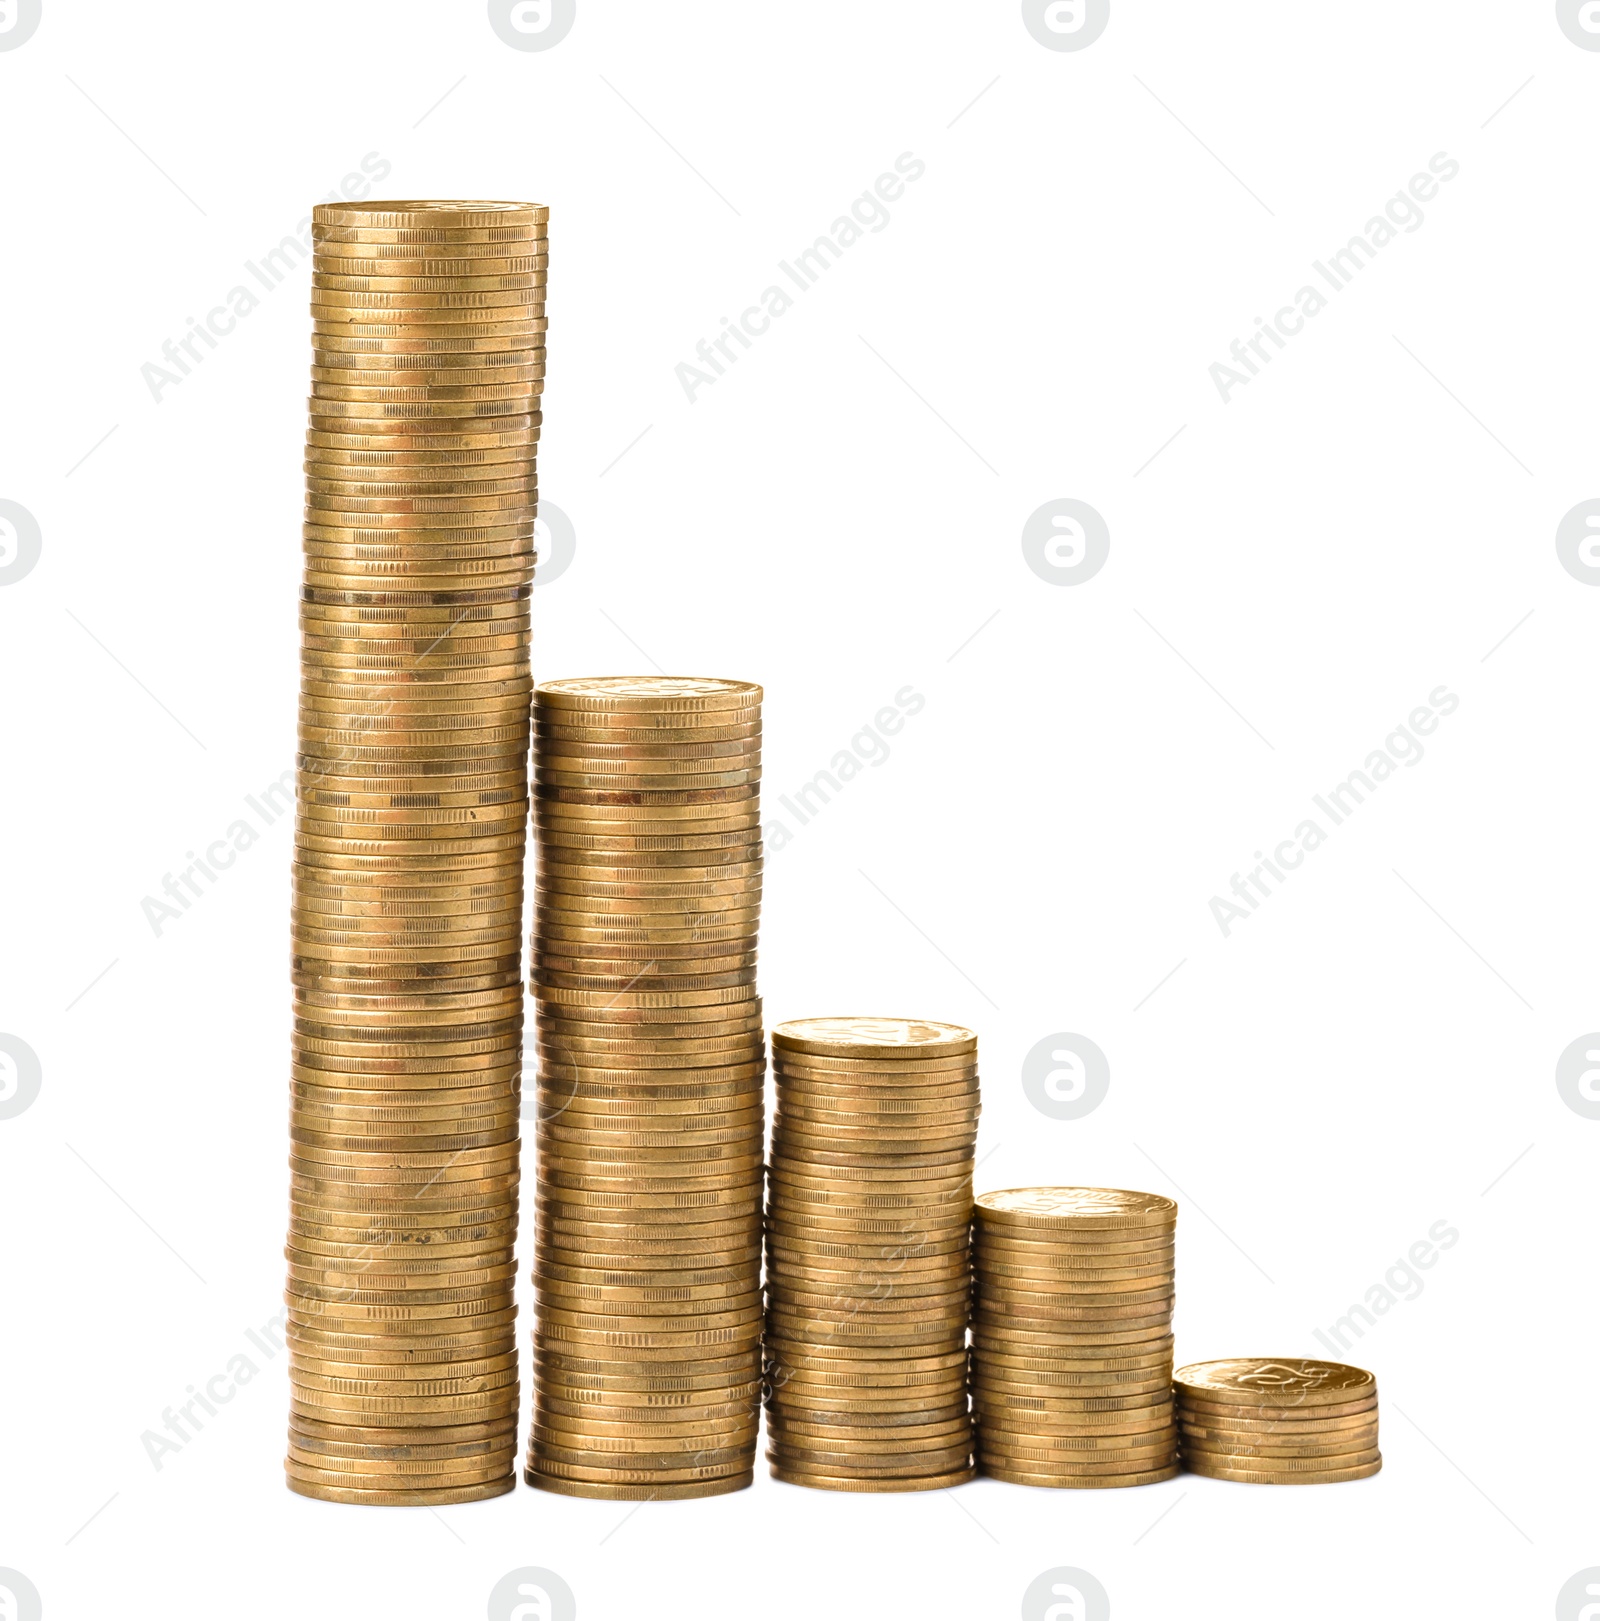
{"x":868,"y":1242}
{"x":1278,"y":1421}
{"x":1072,"y":1337}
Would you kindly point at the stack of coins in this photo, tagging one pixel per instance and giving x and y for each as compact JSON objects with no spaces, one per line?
{"x":1278,"y":1421}
{"x":429,"y":321}
{"x":651,"y":1073}
{"x":868,"y":1254}
{"x":1072,"y":1336}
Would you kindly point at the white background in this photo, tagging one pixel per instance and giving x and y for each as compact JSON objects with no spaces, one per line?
{"x":1373,"y":517}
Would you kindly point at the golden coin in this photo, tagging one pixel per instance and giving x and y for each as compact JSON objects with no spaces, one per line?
{"x":1086,"y":1429}
{"x":1272,"y":1412}
{"x":521,"y":326}
{"x":397,"y":259}
{"x":383,"y":484}
{"x":1056,"y":1266}
{"x":623,"y":1485}
{"x":324,"y":281}
{"x":380,"y":1432}
{"x":467,"y":1406}
{"x":332,"y":303}
{"x":317,"y":1450}
{"x":449,"y":237}
{"x":1155,"y":1313}
{"x":826,"y":1367}
{"x":422,"y":1498}
{"x":803,"y":1471}
{"x":1077,"y":1208}
{"x":1276,"y":1477}
{"x":909,"y":1040}
{"x":641,"y":1491}
{"x":498,"y":462}
{"x":506,"y":365}
{"x":631,"y":695}
{"x":1265,"y":1432}
{"x":1043,"y":1302}
{"x":428,"y":214}
{"x":845,"y":1483}
{"x":1044,"y":1403}
{"x":1021,"y":1477}
{"x":457,"y":247}
{"x":586,"y":869}
{"x":886,"y":1463}
{"x":493,"y":534}
{"x":1081,"y":1465}
{"x":340,"y":1470}
{"x":891,"y":1077}
{"x":307,"y":1376}
{"x":521,"y":434}
{"x":1066,"y":1271}
{"x":1003,"y":1366}
{"x":1332,"y":1454}
{"x":998,"y":1393}
{"x":693,"y":754}
{"x":995,"y":1331}
{"x":1293,"y":1381}
{"x":634,"y":1031}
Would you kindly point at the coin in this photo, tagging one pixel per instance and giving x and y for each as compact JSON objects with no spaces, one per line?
{"x":1275,"y":1413}
{"x":650,"y":1491}
{"x":613,"y":695}
{"x":873,"y":1038}
{"x":1080,"y":1209}
{"x":1268,"y":1431}
{"x":1301,"y":1381}
{"x":1272,"y":1477}
{"x":437,"y":237}
{"x":427,"y":1497}
{"x":1064,"y":1479}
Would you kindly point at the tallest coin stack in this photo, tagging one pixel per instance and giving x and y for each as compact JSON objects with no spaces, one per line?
{"x":414,"y":724}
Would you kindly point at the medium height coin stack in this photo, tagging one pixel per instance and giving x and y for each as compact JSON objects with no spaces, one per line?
{"x":429,"y":355}
{"x":651,"y":1074}
{"x":1072,"y":1336}
{"x":868,"y":1254}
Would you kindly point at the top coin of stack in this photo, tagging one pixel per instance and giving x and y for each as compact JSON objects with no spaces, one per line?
{"x":428,"y":367}
{"x":651,"y":1074}
{"x":1279,"y":1421}
{"x":868,"y":1240}
{"x":1072,"y":1336}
